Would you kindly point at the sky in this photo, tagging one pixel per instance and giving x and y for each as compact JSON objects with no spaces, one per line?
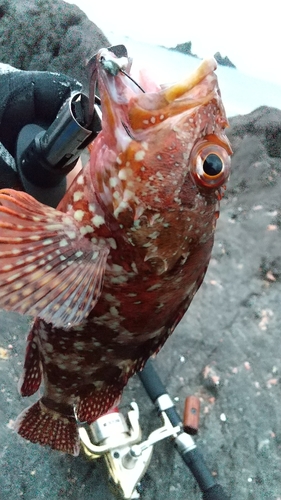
{"x":247,"y":31}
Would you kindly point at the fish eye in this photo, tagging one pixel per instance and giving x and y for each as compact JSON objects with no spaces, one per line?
{"x":213,"y":164}
{"x":210,"y":164}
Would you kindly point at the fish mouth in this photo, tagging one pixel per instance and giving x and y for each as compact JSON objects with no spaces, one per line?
{"x":134,"y":107}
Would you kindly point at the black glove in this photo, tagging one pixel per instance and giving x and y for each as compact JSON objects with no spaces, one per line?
{"x":27,"y":97}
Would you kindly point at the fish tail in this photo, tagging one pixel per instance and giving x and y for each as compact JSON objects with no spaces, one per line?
{"x":42,"y":425}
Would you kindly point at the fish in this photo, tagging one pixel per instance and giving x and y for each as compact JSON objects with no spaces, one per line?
{"x":110,"y":272}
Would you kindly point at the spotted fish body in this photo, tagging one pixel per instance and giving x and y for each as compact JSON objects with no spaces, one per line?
{"x":110,"y":273}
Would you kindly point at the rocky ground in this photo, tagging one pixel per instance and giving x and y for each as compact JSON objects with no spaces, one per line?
{"x":226,"y":350}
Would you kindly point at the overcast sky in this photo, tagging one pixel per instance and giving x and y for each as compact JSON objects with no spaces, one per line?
{"x":247,"y":31}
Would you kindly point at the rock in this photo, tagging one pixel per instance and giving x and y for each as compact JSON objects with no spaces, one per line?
{"x":54,"y":36}
{"x":184,"y":48}
{"x":264,"y":123}
{"x":256,"y":163}
{"x":223,"y":61}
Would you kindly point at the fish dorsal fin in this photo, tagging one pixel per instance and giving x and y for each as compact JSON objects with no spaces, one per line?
{"x":47,"y":268}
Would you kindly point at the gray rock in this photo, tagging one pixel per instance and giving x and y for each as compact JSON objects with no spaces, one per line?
{"x":48,"y":35}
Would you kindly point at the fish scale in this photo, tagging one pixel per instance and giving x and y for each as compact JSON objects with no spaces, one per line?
{"x":110,"y":273}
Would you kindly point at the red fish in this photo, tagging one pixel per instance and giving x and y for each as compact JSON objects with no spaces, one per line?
{"x":109,"y":273}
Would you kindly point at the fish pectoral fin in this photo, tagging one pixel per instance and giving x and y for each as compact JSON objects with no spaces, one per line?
{"x":47,"y":268}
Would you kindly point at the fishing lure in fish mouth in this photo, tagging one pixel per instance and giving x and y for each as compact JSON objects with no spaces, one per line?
{"x":109,"y":273}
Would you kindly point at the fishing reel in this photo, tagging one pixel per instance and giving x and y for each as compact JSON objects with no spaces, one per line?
{"x":118,"y":440}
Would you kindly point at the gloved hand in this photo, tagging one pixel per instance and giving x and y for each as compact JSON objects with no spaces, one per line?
{"x":27,"y":97}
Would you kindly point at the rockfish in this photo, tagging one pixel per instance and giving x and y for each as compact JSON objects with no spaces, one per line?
{"x":109,"y":273}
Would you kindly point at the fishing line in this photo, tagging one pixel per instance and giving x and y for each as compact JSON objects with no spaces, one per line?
{"x":134,"y":81}
{"x":128,"y":131}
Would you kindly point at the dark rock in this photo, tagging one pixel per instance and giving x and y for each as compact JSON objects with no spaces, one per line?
{"x":264,"y":123}
{"x":257,"y":155}
{"x":184,"y":48}
{"x":48,"y":35}
{"x":223,"y":61}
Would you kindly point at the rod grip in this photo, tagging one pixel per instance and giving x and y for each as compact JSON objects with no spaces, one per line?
{"x":206,"y":482}
{"x":151,"y":382}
